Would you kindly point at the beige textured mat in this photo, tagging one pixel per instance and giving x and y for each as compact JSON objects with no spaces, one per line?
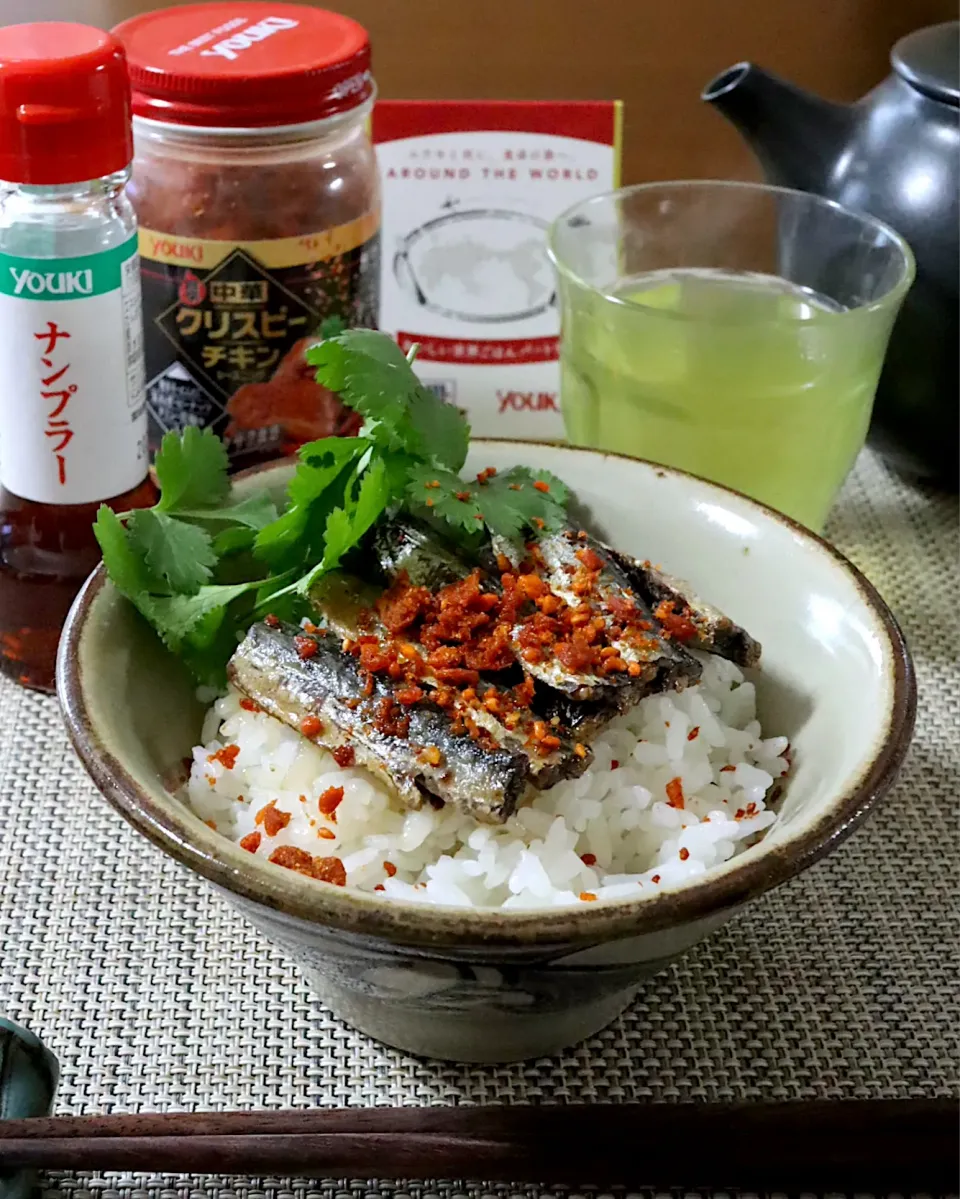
{"x":843,"y":984}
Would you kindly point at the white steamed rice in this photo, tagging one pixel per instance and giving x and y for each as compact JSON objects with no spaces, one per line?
{"x":603,"y":836}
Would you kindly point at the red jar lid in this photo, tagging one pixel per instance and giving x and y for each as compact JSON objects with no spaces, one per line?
{"x":245,"y":64}
{"x":64,"y":104}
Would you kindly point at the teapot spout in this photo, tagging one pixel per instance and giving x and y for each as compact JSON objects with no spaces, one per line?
{"x":796,"y":136}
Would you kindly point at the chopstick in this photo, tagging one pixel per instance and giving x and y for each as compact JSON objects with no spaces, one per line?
{"x":889,"y":1145}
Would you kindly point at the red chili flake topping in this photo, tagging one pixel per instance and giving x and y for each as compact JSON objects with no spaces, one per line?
{"x":344,"y":756}
{"x":227,"y":757}
{"x":590,"y":559}
{"x":463,"y":496}
{"x":458,"y":677}
{"x":251,"y":842}
{"x":588,"y":859}
{"x":587,"y":896}
{"x":326,"y":870}
{"x":726,"y":769}
{"x":390,"y":869}
{"x":329,"y":801}
{"x":539,"y":485}
{"x":326,"y":834}
{"x":249,"y":705}
{"x":694,"y":733}
{"x":293,"y":859}
{"x":674,"y":790}
{"x":272,"y":819}
{"x":487,"y":473}
{"x":676,"y":624}
{"x":380,"y":886}
{"x":538,"y":522}
{"x":390,"y":718}
{"x":401,"y":605}
{"x":684,"y":854}
{"x":330,"y":870}
{"x":615,"y":764}
{"x":306,"y":647}
{"x":211,"y":824}
{"x":311,"y":726}
{"x":655,"y":879}
{"x":739,"y":814}
{"x":271,"y":621}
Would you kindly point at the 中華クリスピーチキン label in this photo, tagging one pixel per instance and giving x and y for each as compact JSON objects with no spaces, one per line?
{"x":226,"y":324}
{"x":73,"y":427}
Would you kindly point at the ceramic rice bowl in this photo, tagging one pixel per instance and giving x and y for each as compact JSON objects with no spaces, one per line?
{"x":487,"y":985}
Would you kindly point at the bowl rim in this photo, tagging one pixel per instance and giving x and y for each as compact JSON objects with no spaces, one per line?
{"x":436,"y":927}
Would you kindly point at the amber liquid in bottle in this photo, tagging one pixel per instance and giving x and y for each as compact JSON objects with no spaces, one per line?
{"x":46,"y":553}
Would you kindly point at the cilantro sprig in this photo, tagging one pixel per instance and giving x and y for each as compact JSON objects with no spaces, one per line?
{"x":202,"y":565}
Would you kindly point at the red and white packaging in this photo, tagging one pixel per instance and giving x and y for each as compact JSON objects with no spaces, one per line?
{"x":469,"y":191}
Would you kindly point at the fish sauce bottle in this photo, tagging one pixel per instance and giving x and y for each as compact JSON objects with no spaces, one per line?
{"x":73,"y":426}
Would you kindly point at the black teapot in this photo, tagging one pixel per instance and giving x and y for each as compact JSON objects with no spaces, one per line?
{"x":896,"y":155}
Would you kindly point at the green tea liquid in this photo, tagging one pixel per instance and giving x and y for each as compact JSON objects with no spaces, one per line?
{"x":745,"y":379}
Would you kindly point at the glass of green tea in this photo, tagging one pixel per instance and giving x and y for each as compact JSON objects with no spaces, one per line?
{"x":733,"y":330}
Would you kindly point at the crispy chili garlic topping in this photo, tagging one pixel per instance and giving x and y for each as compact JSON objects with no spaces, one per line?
{"x":272,"y":819}
{"x":674,"y":790}
{"x":344,"y":756}
{"x":326,"y":870}
{"x":329,"y":801}
{"x":306,"y":647}
{"x":311,"y":726}
{"x":676,"y":624}
{"x":227,"y":756}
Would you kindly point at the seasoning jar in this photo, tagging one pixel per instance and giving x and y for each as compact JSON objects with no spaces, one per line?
{"x":73,"y":427}
{"x":257,"y":192}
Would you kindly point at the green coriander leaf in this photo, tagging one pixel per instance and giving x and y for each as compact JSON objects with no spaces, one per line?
{"x":254,"y":512}
{"x":363,"y":507}
{"x":370,"y":374}
{"x":332,"y":326}
{"x":176,"y":616}
{"x":237,"y":540}
{"x":192,"y":470}
{"x":332,"y":449}
{"x":445,"y":496}
{"x":123,"y":560}
{"x":532,"y":499}
{"x":179,"y":552}
{"x":501,"y":515}
{"x":315,"y":489}
{"x":443,"y":434}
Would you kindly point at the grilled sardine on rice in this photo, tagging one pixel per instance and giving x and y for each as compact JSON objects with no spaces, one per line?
{"x":582,"y":573}
{"x":309,"y":683}
{"x":672,"y":600}
{"x":349,"y":607}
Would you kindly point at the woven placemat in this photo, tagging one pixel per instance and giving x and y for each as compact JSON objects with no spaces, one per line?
{"x":842,"y":984}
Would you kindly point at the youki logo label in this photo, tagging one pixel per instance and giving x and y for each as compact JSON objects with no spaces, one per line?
{"x":231,"y":47}
{"x":61,"y":283}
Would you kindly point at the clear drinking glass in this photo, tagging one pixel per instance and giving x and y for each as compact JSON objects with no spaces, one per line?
{"x":734,"y":330}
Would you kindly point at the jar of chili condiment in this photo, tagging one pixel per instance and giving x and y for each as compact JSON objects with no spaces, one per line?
{"x":257,"y":193}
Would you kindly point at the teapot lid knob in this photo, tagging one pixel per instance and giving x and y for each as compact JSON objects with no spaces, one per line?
{"x":929,"y":59}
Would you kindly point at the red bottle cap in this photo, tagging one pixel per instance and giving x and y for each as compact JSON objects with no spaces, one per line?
{"x":64,"y":104}
{"x":245,"y":64}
